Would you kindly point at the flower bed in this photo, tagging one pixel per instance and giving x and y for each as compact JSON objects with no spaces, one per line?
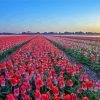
{"x":7,"y":42}
{"x":76,"y":50}
{"x":40,"y":71}
{"x":10,"y":48}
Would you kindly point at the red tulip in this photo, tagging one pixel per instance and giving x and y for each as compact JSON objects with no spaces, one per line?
{"x":92,"y":57}
{"x":23,"y":95}
{"x":67,"y":97}
{"x":62,"y":83}
{"x":10,"y":97}
{"x":1,"y":66}
{"x":70,"y":82}
{"x":71,"y":72}
{"x":27,"y":97}
{"x":39,"y":82}
{"x":79,"y":89}
{"x":80,"y":67}
{"x":55,"y":91}
{"x":81,"y":78}
{"x":85,"y":98}
{"x":13,"y":81}
{"x":56,"y":98}
{"x":37,"y":88}
{"x":37,"y":95}
{"x":45,"y":97}
{"x":49,"y":84}
{"x":74,"y":96}
{"x":89,"y":84}
{"x":85,"y":77}
{"x":84,"y":86}
{"x":16,"y":92}
{"x":8,"y":76}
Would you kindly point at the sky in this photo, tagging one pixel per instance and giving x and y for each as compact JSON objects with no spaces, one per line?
{"x":49,"y":15}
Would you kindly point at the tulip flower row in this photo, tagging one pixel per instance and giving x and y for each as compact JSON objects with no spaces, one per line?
{"x":40,"y":71}
{"x":81,"y":42}
{"x":7,"y":42}
{"x":4,"y":55}
{"x":87,"y":47}
{"x":92,"y":38}
{"x":76,"y":50}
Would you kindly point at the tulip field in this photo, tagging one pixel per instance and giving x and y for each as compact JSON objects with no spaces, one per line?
{"x":9,"y":41}
{"x":40,"y":69}
{"x":85,"y":50}
{"x":9,"y":44}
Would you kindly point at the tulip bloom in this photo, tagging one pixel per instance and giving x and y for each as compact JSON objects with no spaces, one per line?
{"x":67,"y":97}
{"x":13,"y":81}
{"x":84,"y":86}
{"x":74,"y":96}
{"x":89,"y":84}
{"x":56,"y":98}
{"x":62,"y":83}
{"x":27,"y":97}
{"x":85,"y":98}
{"x":55,"y":91}
{"x":10,"y":97}
{"x":45,"y":97}
{"x":16,"y":92}
{"x":37,"y":95}
{"x":39,"y":82}
{"x":85,"y":77}
{"x":92,"y":57}
{"x":70,"y":82}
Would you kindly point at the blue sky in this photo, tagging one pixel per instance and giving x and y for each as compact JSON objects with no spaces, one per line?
{"x":49,"y":15}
